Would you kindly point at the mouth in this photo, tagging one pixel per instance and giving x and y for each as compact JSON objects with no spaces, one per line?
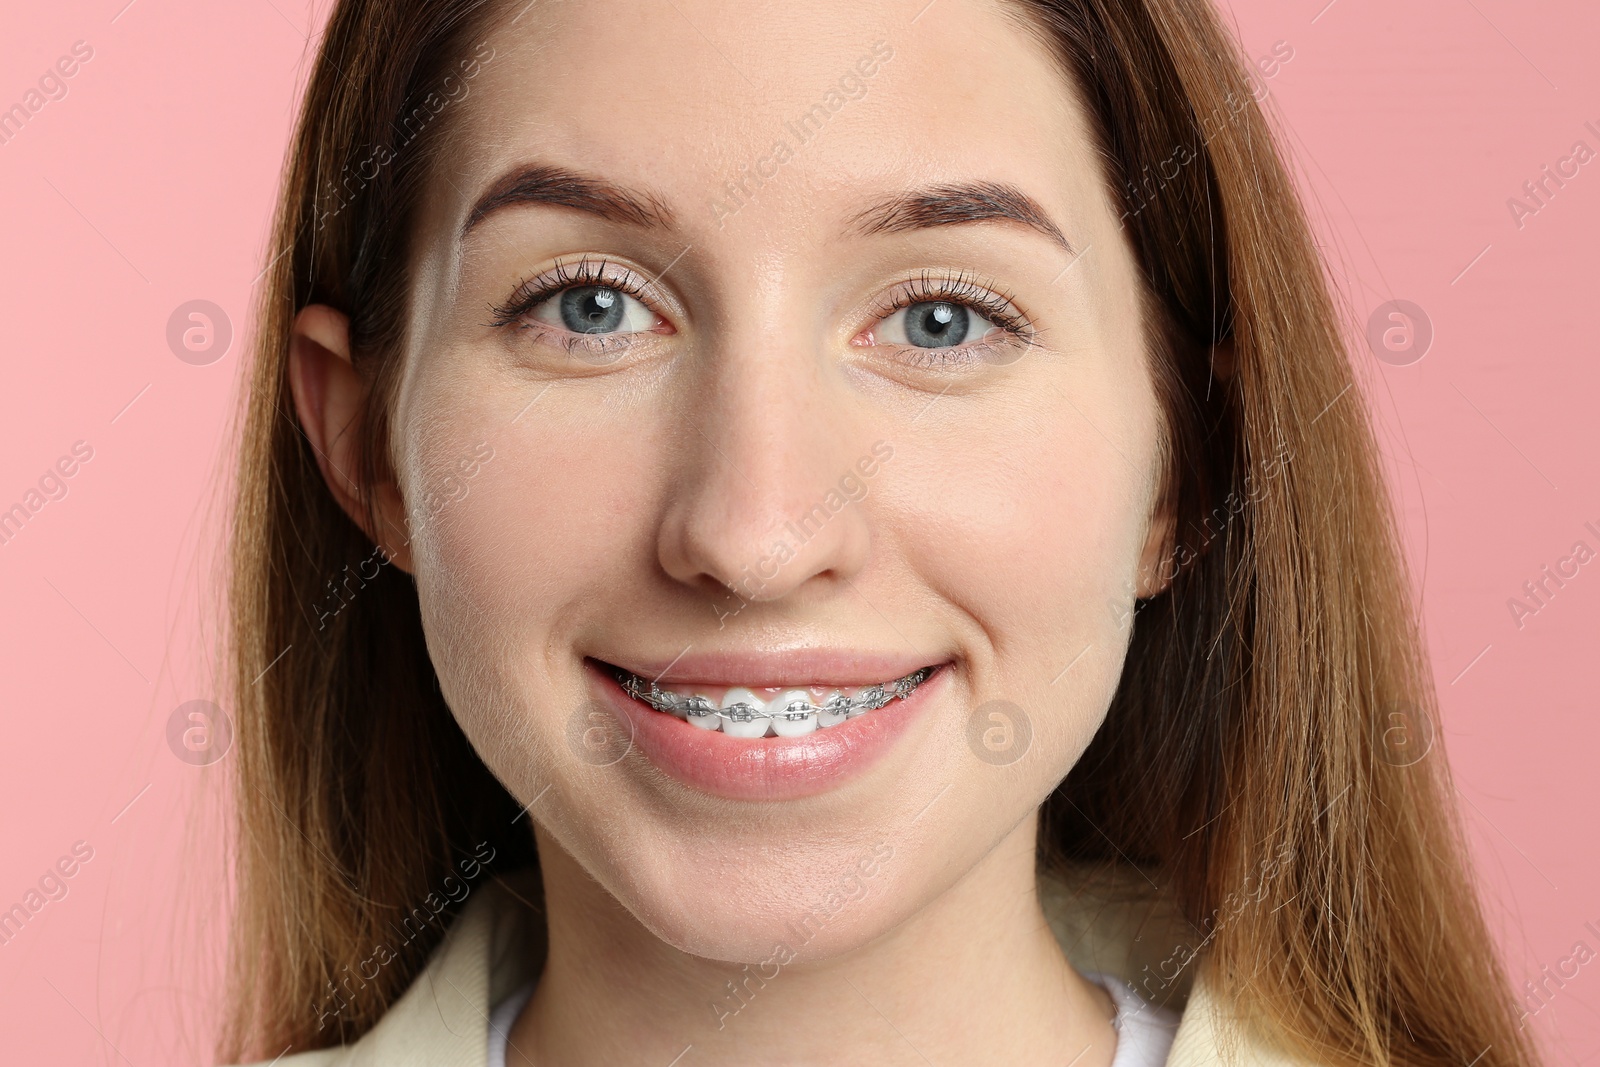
{"x":767,"y":711}
{"x":802,"y":725}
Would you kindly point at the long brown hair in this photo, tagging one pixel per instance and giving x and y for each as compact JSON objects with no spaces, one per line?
{"x":1245,"y":750}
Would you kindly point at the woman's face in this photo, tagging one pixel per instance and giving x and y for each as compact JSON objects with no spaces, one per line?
{"x":797,"y":350}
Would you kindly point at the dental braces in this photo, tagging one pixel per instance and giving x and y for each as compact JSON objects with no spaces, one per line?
{"x":869,"y":699}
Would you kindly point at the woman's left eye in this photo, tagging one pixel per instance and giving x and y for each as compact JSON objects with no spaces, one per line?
{"x":594,"y":309}
{"x":934,"y":324}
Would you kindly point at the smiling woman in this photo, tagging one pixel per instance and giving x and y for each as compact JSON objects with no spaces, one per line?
{"x":1164,"y":833}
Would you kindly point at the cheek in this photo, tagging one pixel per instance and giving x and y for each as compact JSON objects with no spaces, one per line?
{"x":507,"y":571}
{"x":502,"y":554}
{"x":1036,"y":538}
{"x":541,"y":527}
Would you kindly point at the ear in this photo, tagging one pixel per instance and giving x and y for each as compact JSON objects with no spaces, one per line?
{"x":329,"y":398}
{"x":1157,"y":565}
{"x":1163,"y":556}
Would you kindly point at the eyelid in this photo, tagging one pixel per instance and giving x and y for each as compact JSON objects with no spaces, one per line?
{"x":584,"y":270}
{"x":958,"y":287}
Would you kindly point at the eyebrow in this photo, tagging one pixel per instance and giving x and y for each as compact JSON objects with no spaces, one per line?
{"x":955,"y":203}
{"x":948,"y":204}
{"x":544,"y":184}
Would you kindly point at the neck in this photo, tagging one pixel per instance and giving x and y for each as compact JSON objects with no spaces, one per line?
{"x":975,"y":976}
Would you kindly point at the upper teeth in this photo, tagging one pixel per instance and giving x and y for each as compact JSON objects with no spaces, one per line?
{"x":785,"y":713}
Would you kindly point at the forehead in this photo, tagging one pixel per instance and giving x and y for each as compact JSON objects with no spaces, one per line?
{"x":799,"y":109}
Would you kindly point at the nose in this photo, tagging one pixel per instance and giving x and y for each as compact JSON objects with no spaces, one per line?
{"x":768,"y":499}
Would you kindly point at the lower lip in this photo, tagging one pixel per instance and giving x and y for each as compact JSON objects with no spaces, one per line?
{"x":766,"y":768}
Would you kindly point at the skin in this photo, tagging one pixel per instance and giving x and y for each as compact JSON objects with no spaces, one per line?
{"x":1007,"y":535}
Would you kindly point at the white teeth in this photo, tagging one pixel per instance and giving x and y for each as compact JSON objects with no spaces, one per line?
{"x":785,"y":727}
{"x":710,"y":720}
{"x":795,"y":712}
{"x":742,"y":723}
{"x":827,"y":716}
{"x":705,"y":722}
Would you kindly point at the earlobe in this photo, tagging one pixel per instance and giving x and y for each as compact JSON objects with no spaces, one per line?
{"x":329,"y":397}
{"x":1158,"y":564}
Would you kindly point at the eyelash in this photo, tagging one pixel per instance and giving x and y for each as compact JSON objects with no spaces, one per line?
{"x":531,"y":293}
{"x":963,"y":289}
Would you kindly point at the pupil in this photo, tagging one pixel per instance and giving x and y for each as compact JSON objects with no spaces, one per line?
{"x":591,"y":309}
{"x":936,"y":324}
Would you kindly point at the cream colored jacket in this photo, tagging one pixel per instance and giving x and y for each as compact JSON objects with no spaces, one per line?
{"x":496,"y":945}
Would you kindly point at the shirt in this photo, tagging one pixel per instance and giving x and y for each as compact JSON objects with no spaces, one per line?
{"x":495,"y":947}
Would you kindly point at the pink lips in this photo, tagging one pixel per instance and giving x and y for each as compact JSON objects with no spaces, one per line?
{"x":770,"y":768}
{"x":757,"y":670}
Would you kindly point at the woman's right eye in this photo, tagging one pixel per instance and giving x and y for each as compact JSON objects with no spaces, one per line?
{"x":595,"y":309}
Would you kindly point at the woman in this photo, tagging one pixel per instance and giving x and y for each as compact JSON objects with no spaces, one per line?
{"x":822,"y":533}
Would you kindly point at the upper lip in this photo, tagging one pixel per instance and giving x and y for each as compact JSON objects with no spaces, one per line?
{"x":754,"y":669}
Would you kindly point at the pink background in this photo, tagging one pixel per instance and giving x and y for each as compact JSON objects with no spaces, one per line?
{"x":150,"y":184}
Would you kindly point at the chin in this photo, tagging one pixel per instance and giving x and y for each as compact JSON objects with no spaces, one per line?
{"x":767,"y":916}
